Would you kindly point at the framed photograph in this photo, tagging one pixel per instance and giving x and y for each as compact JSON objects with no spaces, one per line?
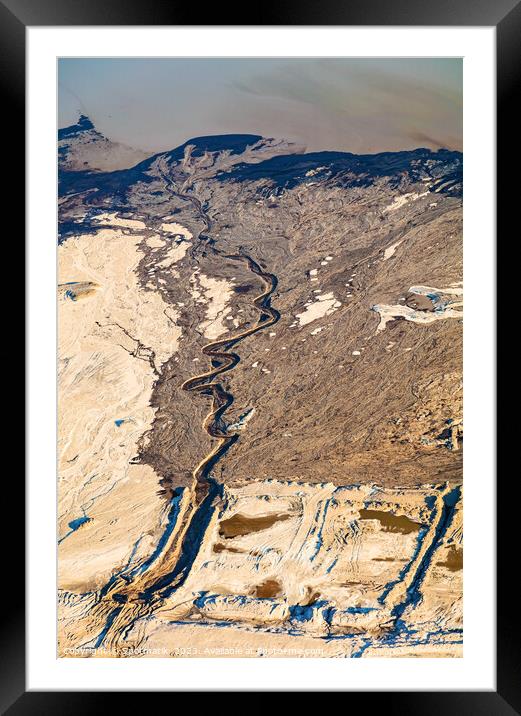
{"x":261,"y":308}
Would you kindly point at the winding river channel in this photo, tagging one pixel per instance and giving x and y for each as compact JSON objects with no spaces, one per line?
{"x":223,"y":360}
{"x":138,"y":592}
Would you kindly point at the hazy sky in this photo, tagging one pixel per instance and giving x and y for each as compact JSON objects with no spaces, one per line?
{"x":358,"y":105}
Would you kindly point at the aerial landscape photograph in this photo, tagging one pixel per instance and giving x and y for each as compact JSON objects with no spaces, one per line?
{"x":260,"y":339}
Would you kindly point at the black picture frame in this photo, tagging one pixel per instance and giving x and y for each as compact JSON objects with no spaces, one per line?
{"x":15,"y":17}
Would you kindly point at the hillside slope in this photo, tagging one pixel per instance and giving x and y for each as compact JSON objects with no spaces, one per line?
{"x":248,"y":333}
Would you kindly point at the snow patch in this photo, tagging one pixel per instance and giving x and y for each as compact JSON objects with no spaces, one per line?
{"x":443,"y":309}
{"x":389,"y":251}
{"x":400,"y":201}
{"x":324,"y":305}
{"x":217,"y":293}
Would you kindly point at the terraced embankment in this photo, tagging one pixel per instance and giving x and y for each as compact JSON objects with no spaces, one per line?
{"x":319,"y":570}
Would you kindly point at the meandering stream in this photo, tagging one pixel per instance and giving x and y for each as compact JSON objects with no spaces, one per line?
{"x":139,"y":592}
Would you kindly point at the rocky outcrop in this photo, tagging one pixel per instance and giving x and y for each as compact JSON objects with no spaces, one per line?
{"x":81,"y":147}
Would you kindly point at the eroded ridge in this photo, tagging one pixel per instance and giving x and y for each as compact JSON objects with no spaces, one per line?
{"x":349,"y":571}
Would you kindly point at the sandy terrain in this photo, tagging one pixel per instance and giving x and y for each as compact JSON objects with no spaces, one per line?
{"x":322,"y":570}
{"x":113,"y":339}
{"x":329,"y":522}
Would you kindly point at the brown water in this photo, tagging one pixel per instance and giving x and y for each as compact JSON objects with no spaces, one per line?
{"x":391,"y":522}
{"x":454,"y":561}
{"x":240,"y":525}
{"x":389,"y":559}
{"x":268,"y":589}
{"x":218,"y":548}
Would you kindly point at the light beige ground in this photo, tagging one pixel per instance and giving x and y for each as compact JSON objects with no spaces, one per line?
{"x":319,"y":577}
{"x":111,"y":335}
